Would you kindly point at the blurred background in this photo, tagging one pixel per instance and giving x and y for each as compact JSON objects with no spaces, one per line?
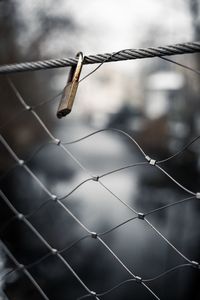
{"x":154,"y":101}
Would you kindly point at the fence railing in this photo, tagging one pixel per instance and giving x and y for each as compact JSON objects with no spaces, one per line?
{"x":137,"y":216}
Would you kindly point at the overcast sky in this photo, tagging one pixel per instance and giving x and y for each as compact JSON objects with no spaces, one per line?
{"x":126,"y":23}
{"x":109,"y":25}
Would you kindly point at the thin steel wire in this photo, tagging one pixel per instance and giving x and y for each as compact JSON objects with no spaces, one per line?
{"x":182,"y":65}
{"x":107,"y":129}
{"x":54,"y":142}
{"x":95,"y":178}
{"x":64,"y":197}
{"x":175,"y":181}
{"x":117,"y":226}
{"x":144,"y":154}
{"x":42,"y":258}
{"x":34,"y":107}
{"x":26,"y":272}
{"x":167,"y":241}
{"x":86,"y":236}
{"x":69,"y":212}
{"x":159,"y":234}
{"x":169,"y":205}
{"x":78,"y":220}
{"x":180,"y":151}
{"x":42,"y":239}
{"x":118,"y":198}
{"x":126,"y":268}
{"x":100,"y":294}
{"x":116,"y":170}
{"x":59,"y":143}
{"x":167,"y":272}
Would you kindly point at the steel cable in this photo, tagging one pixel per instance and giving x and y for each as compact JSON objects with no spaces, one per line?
{"x":121,"y":55}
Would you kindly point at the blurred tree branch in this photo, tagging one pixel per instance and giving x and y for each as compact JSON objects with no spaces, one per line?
{"x":195,"y":12}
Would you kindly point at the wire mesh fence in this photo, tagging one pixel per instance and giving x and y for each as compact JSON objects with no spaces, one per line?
{"x":49,"y":248}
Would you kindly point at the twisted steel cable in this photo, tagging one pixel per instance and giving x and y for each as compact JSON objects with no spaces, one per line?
{"x":126,"y":54}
